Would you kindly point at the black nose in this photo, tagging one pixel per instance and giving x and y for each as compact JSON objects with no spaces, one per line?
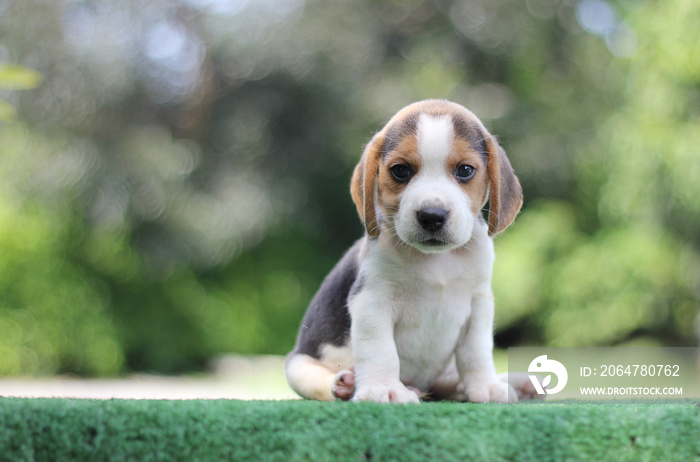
{"x":432,"y":219}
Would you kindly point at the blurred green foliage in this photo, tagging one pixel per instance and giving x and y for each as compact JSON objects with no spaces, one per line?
{"x":177,"y":186}
{"x":15,"y":78}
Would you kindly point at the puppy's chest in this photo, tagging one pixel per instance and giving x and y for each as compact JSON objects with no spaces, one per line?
{"x":434,"y":296}
{"x":429,"y":320}
{"x":429,"y":307}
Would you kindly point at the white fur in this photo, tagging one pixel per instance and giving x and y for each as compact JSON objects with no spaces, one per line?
{"x":435,"y":137}
{"x":336,"y":358}
{"x":309,"y":377}
{"x":415,"y":314}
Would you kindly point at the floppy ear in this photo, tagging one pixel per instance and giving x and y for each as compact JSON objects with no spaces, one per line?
{"x":506,"y":193}
{"x":362,"y":184}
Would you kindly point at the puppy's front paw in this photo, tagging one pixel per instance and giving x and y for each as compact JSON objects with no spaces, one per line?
{"x":491,"y":390}
{"x":397,"y":393}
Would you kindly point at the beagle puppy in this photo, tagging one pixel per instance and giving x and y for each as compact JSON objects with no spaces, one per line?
{"x":408,"y":311}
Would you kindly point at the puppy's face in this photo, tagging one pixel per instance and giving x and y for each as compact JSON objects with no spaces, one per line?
{"x":433,"y":166}
{"x":432,"y":181}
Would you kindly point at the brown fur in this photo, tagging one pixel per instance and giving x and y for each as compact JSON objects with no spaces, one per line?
{"x":506,"y":193}
{"x":362,"y":184}
{"x":389,"y":190}
{"x":478,"y":186}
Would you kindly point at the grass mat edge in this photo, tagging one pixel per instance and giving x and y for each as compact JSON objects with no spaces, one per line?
{"x":69,"y":429}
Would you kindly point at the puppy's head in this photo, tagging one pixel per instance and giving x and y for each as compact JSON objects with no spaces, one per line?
{"x":428,"y":173}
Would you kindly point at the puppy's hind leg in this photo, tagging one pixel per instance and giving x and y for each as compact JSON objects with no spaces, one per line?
{"x":311,"y":379}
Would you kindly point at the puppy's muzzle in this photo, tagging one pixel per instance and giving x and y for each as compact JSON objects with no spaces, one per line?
{"x":432,"y":219}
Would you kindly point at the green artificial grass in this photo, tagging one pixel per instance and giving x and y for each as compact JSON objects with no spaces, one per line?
{"x":198,"y":430}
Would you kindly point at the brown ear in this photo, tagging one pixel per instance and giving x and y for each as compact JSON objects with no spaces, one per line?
{"x":362,"y":184}
{"x":506,"y":193}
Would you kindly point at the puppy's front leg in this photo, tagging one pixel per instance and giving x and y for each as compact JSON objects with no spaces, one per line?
{"x":477,"y":372}
{"x":377,"y":369}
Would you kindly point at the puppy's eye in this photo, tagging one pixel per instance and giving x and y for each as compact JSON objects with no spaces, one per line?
{"x":401,"y":173}
{"x":465,"y":172}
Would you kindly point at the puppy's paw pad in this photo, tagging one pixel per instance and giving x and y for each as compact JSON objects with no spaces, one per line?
{"x":387,"y":394}
{"x":344,"y":385}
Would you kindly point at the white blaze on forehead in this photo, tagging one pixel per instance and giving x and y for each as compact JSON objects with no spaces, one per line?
{"x":434,"y":186}
{"x":435,"y":137}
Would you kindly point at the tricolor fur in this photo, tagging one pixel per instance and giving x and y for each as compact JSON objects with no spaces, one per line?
{"x":408,"y":311}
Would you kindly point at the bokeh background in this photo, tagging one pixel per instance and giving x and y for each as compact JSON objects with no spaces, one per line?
{"x":174,"y":175}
